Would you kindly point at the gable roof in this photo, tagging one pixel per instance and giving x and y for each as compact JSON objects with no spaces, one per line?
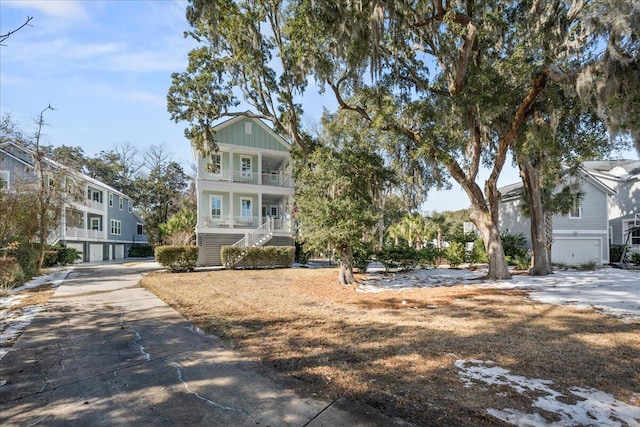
{"x":617,"y":170}
{"x":515,"y":190}
{"x":4,"y":148}
{"x":249,"y":116}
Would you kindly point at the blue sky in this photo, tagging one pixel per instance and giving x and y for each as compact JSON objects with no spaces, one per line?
{"x":105,"y":66}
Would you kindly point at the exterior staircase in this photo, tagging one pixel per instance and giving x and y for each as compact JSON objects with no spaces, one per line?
{"x":257,"y":237}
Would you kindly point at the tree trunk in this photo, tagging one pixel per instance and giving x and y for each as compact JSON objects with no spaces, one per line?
{"x":345,"y":276}
{"x":540,"y":261}
{"x":548,"y":231}
{"x":490,"y":233}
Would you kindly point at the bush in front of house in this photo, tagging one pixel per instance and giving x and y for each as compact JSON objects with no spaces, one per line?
{"x":455,"y":254}
{"x":615,"y":252}
{"x":140,"y":251}
{"x":60,"y":255}
{"x":257,"y":256}
{"x":402,"y":257}
{"x":177,"y":257}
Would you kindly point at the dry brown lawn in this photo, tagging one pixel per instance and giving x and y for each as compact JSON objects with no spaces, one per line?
{"x":397,"y":356}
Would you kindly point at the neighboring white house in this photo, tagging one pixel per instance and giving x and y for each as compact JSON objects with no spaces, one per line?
{"x":245,"y":195}
{"x":101,"y":225}
{"x":623,"y":176}
{"x":580,"y":237}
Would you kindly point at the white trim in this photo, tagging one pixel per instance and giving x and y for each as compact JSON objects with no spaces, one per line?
{"x":121,"y":203}
{"x":110,"y":199}
{"x":587,"y":231}
{"x":91,"y":222}
{"x":250,"y":200}
{"x":116,"y":225}
{"x":636,"y":220}
{"x":216,"y":197}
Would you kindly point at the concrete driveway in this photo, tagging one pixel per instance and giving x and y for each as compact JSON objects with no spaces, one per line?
{"x":106,"y":352}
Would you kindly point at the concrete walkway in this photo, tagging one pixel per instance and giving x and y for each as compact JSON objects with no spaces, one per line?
{"x":106,"y":352}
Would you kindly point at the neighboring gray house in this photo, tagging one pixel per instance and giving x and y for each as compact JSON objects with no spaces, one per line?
{"x":579,"y":237}
{"x":623,"y":176}
{"x":246,"y":199}
{"x":101,"y":224}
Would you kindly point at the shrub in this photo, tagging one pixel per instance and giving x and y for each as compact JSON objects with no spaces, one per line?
{"x":587,"y":266}
{"x":403,"y":257}
{"x":28,"y":259}
{"x":67,"y":256}
{"x":455,"y":254}
{"x":429,"y":256}
{"x":11,"y":273}
{"x":615,"y":252}
{"x":513,"y":245}
{"x":478,"y":253}
{"x":178,"y":257}
{"x":521,"y":262}
{"x":635,"y":258}
{"x":361,"y":256}
{"x":257,"y":256}
{"x":140,"y":251}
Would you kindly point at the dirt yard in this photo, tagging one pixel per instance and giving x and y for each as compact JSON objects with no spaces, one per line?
{"x":404,"y":352}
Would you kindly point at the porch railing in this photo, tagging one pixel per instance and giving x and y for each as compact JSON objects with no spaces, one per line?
{"x":274,"y":180}
{"x":253,"y":222}
{"x":77,"y":232}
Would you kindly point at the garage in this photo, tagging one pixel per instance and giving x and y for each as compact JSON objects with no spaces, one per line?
{"x":78,"y":247}
{"x":576,"y":251}
{"x":119,"y":253}
{"x":96,"y":252}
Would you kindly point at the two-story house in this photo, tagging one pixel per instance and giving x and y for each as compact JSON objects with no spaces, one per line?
{"x":579,"y":237}
{"x":244,"y":190}
{"x":623,"y":176}
{"x":98,"y":221}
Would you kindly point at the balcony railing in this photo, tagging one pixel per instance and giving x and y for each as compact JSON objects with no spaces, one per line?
{"x":76,"y":232}
{"x":274,"y":180}
{"x":252,"y":222}
{"x":94,"y":204}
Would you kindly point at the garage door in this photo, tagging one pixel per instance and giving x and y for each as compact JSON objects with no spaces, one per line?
{"x":95,"y":253}
{"x":576,"y":251}
{"x":119,"y":252}
{"x":78,"y":247}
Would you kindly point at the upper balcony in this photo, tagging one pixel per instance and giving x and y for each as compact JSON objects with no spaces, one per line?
{"x":254,"y":178}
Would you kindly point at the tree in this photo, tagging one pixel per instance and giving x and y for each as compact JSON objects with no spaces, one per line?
{"x":158,"y":192}
{"x":245,"y":49}
{"x":336,"y":189}
{"x":8,"y":34}
{"x":455,"y":82}
{"x":180,"y":229}
{"x":117,"y":168}
{"x":72,"y":157}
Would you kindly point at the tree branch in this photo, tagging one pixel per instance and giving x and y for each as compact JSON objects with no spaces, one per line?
{"x":3,"y":37}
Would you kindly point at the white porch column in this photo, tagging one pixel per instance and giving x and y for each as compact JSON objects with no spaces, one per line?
{"x":260,"y":169}
{"x":63,"y":224}
{"x":231,"y":210}
{"x":259,"y":209}
{"x":231,"y":165}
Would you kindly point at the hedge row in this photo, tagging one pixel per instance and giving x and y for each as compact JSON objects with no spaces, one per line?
{"x":140,"y":251}
{"x":255,"y":257}
{"x":177,"y":257}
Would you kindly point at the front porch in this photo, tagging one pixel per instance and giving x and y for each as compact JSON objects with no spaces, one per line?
{"x":243,"y":223}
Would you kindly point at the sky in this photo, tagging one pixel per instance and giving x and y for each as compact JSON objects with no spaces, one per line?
{"x":105,"y":66}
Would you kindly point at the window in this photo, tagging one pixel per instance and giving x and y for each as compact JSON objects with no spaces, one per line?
{"x":110,"y":200}
{"x":245,"y":166}
{"x":116,"y":227}
{"x":575,"y":210}
{"x":129,"y":206}
{"x":139,"y":229}
{"x":121,"y":202}
{"x":248,"y":128}
{"x":4,"y":179}
{"x":215,"y":166}
{"x":216,"y":207}
{"x":245,"y":208}
{"x":95,"y":223}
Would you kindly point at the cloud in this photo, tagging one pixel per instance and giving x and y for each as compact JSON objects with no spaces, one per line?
{"x":66,"y":9}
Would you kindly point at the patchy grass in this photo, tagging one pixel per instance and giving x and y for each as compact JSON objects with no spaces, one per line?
{"x":396,"y":350}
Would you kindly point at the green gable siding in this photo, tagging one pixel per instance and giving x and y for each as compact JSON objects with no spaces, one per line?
{"x":259,"y":137}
